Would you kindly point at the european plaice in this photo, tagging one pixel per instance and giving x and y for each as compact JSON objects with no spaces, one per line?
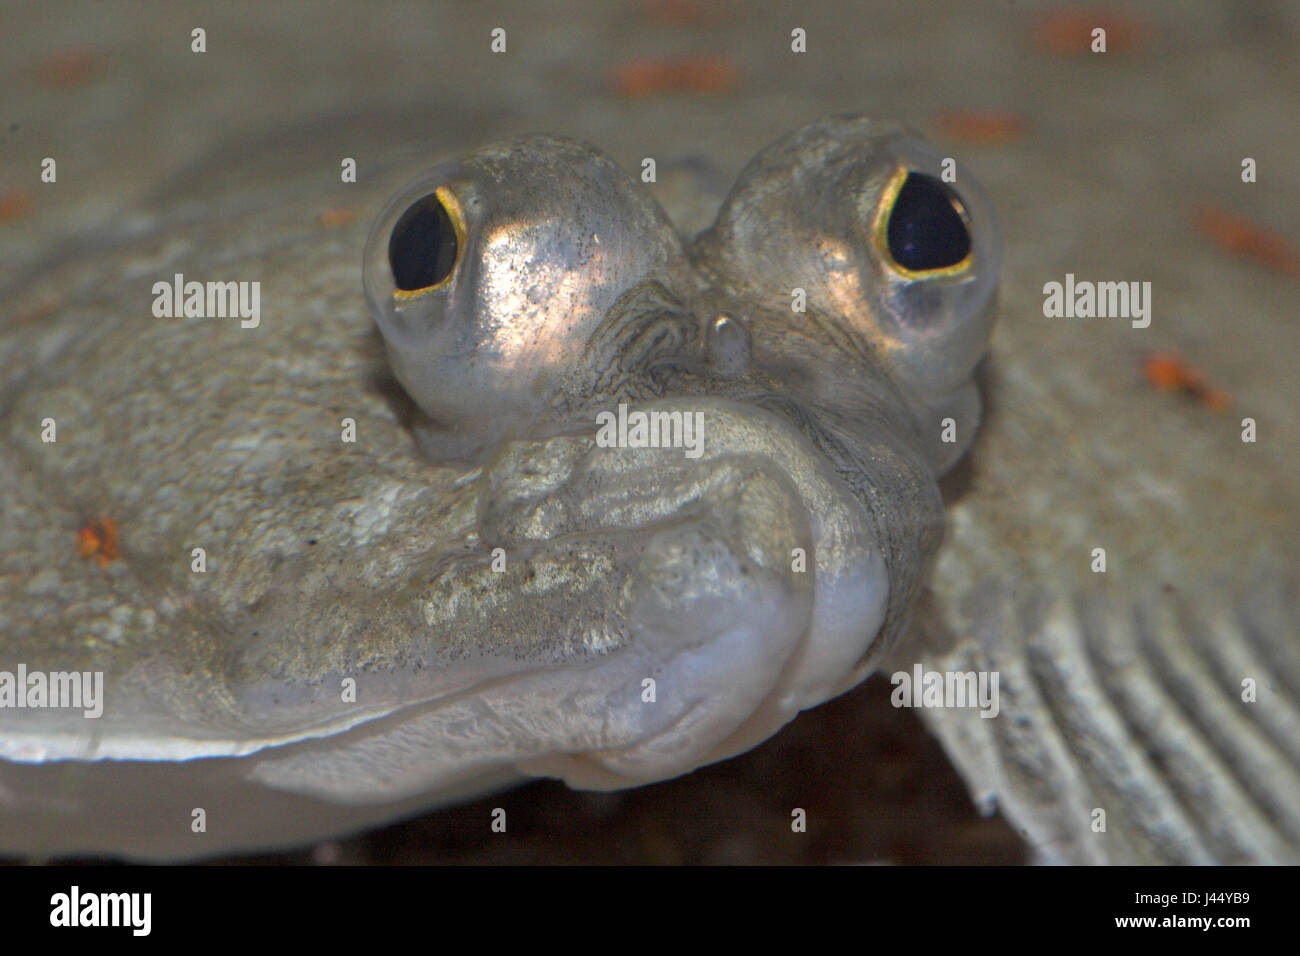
{"x":424,"y":574}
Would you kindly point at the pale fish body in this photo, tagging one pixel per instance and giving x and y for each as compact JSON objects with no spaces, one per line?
{"x":478,"y":590}
{"x":1120,"y":691}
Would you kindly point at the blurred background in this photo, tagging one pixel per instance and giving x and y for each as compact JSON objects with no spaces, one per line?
{"x":1094,"y":161}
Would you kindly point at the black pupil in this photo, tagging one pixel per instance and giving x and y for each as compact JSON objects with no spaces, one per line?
{"x":422,"y":247}
{"x":925,"y":229}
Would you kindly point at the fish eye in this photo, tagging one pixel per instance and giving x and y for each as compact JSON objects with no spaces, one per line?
{"x":425,"y":243}
{"x":927,"y":228}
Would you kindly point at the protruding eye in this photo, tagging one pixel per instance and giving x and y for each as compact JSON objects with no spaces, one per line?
{"x":488,"y":277}
{"x":423,"y":245}
{"x":927,"y":227}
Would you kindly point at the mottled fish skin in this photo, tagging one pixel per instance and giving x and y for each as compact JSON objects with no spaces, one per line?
{"x":327,"y":561}
{"x":1123,"y":691}
{"x":1074,"y":453}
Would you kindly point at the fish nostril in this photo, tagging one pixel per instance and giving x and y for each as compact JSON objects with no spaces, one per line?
{"x":926,"y":229}
{"x":423,"y":245}
{"x":730,"y":348}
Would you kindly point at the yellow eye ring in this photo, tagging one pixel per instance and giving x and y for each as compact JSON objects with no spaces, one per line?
{"x":880,"y":232}
{"x":456,"y":214}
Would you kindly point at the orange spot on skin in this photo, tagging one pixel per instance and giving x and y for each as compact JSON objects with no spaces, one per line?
{"x":697,"y":74}
{"x":68,"y":69}
{"x":1216,"y":400}
{"x":1069,"y":32}
{"x":982,"y":126}
{"x":1167,"y":371}
{"x":1163,"y":370}
{"x":1239,"y":235}
{"x":99,"y":540}
{"x":14,"y":204}
{"x":339,"y":216}
{"x":683,"y":13}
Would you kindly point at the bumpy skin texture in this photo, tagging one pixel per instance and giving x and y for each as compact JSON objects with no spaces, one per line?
{"x":327,"y":561}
